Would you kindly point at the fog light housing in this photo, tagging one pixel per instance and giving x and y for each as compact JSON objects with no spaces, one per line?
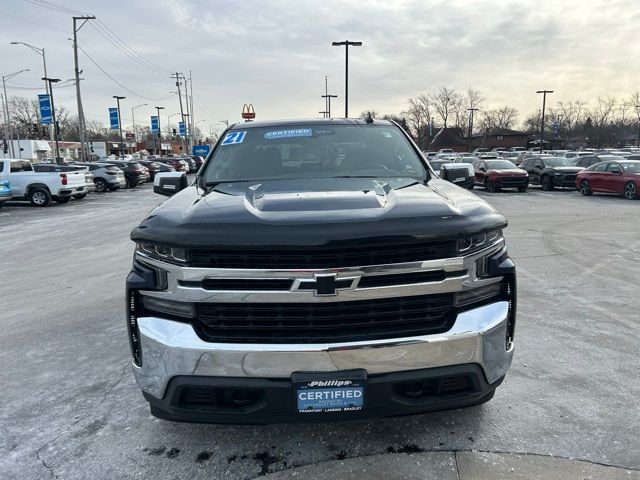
{"x":169,"y":307}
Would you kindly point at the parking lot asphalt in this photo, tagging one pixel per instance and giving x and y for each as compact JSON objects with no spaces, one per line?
{"x":70,"y":408}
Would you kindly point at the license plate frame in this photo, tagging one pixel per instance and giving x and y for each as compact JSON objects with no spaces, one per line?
{"x":330,"y":392}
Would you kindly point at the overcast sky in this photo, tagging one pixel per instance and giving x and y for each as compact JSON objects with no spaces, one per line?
{"x":275,"y":54}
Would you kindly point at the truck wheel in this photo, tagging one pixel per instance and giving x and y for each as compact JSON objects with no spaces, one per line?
{"x":39,"y":197}
{"x":630,"y":191}
{"x":546,"y":183}
{"x":80,"y":196}
{"x":101,"y":185}
{"x":62,"y":199}
{"x":585,"y":188}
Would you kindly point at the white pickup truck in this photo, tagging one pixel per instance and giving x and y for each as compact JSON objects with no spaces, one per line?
{"x":42,"y":187}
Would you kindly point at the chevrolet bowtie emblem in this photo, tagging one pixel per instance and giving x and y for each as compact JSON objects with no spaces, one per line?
{"x":325,"y":284}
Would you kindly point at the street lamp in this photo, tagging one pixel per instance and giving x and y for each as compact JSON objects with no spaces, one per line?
{"x":544,"y":101}
{"x":50,"y":82}
{"x":638,"y":114}
{"x":159,"y":131}
{"x":346,"y":44}
{"x":118,"y":98}
{"x":7,"y":117}
{"x":133,"y":120}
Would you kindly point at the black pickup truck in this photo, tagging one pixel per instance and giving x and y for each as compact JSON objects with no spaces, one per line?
{"x":316,"y":271}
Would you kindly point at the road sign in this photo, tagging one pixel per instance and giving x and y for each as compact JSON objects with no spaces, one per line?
{"x":154,"y":124}
{"x":45,"y":109}
{"x":182,"y":129}
{"x":201,"y":150}
{"x":113,"y":119}
{"x":248,"y":112}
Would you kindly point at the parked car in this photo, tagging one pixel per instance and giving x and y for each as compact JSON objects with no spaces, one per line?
{"x":106,"y":176}
{"x":621,"y":177}
{"x":576,"y":155}
{"x":5,"y":186}
{"x":177,"y":164}
{"x":152,"y":167}
{"x":134,"y":175}
{"x":551,"y":172}
{"x":478,"y":151}
{"x":191,"y":164}
{"x":88,"y":176}
{"x":494,"y":175}
{"x":374,"y":288}
{"x":41,"y":187}
{"x":199,"y":160}
{"x":517,"y":149}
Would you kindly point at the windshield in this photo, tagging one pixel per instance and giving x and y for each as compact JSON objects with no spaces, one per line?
{"x":558,"y":162}
{"x":500,"y":164}
{"x":631,"y":167}
{"x":317,"y":151}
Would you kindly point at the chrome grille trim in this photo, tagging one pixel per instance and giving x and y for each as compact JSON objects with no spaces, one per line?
{"x":464,"y":266}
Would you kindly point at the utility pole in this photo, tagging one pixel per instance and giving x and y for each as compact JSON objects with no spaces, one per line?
{"x":192,"y":130}
{"x":544,"y":101}
{"x":81,"y":124}
{"x":159,"y":130}
{"x":346,"y":44}
{"x":118,"y":98}
{"x":54,"y":123}
{"x":471,"y":110}
{"x":327,"y":99}
{"x":187,"y":121}
{"x":177,"y":77}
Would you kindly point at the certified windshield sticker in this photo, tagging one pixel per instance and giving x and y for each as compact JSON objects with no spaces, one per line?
{"x":233,"y":138}
{"x":296,"y":132}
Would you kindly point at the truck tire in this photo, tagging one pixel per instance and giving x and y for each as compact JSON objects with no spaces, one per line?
{"x":39,"y":197}
{"x":80,"y":196}
{"x":547,"y":183}
{"x":489,"y":186}
{"x":101,"y":185}
{"x":63,"y":199}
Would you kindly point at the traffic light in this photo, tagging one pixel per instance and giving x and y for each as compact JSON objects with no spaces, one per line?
{"x":174,"y":132}
{"x":91,"y":146}
{"x":5,"y":147}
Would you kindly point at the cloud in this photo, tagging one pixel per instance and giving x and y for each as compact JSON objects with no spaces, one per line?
{"x":275,"y":53}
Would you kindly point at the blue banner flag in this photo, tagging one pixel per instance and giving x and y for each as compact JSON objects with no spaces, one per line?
{"x":154,"y":124}
{"x":202,"y":150}
{"x":182,"y":129}
{"x":113,"y":119}
{"x":45,"y":109}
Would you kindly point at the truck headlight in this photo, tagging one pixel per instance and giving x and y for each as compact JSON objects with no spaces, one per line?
{"x":478,"y":241}
{"x":164,"y":253}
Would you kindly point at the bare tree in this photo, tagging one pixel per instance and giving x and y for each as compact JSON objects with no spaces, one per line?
{"x":602,"y":112}
{"x":572,"y":115}
{"x":444,"y":102}
{"x":370,"y":113}
{"x":503,"y":117}
{"x":419,"y":116}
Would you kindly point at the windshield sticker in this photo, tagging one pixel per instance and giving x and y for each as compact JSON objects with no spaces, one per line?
{"x":233,"y":138}
{"x":297,"y":132}
{"x":324,"y":132}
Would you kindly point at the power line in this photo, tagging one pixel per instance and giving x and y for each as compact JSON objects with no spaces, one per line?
{"x":54,"y":6}
{"x":202,"y":105}
{"x":116,"y":81}
{"x":32,"y":22}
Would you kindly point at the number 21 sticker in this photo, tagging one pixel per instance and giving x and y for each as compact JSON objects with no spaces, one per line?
{"x":233,"y":138}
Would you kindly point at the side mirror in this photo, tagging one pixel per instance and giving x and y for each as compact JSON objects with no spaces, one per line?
{"x":616,"y":171}
{"x":169,"y":183}
{"x":482,"y":169}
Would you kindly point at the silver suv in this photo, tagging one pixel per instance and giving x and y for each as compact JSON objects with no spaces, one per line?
{"x":106,"y":176}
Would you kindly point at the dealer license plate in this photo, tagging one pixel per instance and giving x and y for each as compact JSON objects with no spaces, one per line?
{"x":330,"y":392}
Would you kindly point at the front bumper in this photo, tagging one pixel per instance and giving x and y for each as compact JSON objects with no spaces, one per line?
{"x":511,"y":182}
{"x":174,"y":356}
{"x":564,"y":181}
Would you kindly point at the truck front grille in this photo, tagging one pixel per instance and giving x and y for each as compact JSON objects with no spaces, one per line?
{"x":324,"y":322}
{"x":322,"y":257}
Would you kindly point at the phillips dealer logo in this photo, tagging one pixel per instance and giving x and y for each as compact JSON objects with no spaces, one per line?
{"x":330,"y":383}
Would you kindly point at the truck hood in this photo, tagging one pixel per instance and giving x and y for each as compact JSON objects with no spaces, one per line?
{"x":316,"y":212}
{"x":565,"y":169}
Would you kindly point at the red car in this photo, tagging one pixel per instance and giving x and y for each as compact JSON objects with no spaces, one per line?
{"x":494,"y":175}
{"x":621,"y":177}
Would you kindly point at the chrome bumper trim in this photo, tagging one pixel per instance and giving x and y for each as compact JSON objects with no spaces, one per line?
{"x":171,"y":348}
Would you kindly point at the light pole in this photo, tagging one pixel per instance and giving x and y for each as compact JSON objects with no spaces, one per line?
{"x":6,"y":104}
{"x":51,"y":81}
{"x":638,"y":114}
{"x":159,"y":131}
{"x":40,"y":51}
{"x":346,"y":44}
{"x":544,"y":101}
{"x":118,"y":98}
{"x":133,"y":120}
{"x":471,"y":110}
